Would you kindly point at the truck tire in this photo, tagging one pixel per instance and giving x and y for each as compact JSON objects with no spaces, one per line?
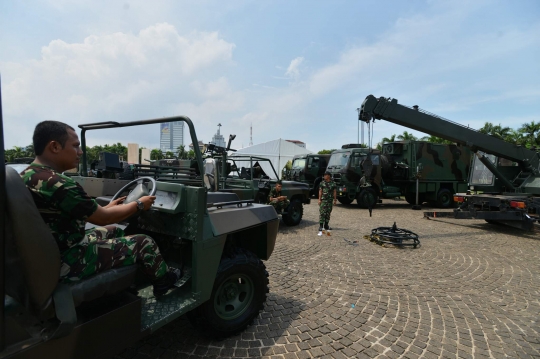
{"x":367,"y":198}
{"x":238,"y":296}
{"x":445,"y":198}
{"x":345,"y":200}
{"x":294,"y":213}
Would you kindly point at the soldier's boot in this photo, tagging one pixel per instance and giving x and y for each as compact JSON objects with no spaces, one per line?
{"x":327,"y":228}
{"x":168,"y":281}
{"x":320,"y":230}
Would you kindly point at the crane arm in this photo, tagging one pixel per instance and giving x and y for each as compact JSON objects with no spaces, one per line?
{"x":388,"y":109}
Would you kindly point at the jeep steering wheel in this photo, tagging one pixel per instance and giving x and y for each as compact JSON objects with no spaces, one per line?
{"x":139,"y":191}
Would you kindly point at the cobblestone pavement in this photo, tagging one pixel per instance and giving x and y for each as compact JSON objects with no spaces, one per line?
{"x":472,"y":290}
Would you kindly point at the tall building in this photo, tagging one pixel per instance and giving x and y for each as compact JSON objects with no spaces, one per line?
{"x":171,"y":136}
{"x":218,"y":139}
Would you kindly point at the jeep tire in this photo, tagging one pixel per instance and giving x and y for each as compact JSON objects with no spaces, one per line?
{"x":294,"y":213}
{"x":238,"y":295}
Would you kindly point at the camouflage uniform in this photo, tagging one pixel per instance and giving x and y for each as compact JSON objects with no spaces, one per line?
{"x":65,"y":207}
{"x":327,"y":198}
{"x":279,"y":205}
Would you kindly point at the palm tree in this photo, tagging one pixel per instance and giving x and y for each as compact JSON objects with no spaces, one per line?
{"x":516,"y":137}
{"x":531,"y":132}
{"x":406,"y":136}
{"x":496,"y":131}
{"x":389,"y":139}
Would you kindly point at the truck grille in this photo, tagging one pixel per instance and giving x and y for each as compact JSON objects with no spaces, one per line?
{"x":337,"y":178}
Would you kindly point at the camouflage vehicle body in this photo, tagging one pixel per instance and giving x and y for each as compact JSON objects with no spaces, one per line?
{"x":443,"y":171}
{"x":504,"y":176}
{"x":308,"y":169}
{"x":220,"y":240}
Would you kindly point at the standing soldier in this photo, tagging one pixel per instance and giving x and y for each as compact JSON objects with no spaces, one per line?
{"x":278,"y":201}
{"x":327,"y":192}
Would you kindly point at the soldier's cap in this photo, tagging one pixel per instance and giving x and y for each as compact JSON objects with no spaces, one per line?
{"x":327,"y":173}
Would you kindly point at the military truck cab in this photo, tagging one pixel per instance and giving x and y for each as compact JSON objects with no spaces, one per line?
{"x":218,"y":239}
{"x":308,"y":168}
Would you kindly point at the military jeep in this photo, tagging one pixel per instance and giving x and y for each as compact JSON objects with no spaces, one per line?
{"x":244,"y":175}
{"x":218,"y":238}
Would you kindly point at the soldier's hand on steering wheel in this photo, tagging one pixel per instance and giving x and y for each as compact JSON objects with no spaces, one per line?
{"x":148,"y":201}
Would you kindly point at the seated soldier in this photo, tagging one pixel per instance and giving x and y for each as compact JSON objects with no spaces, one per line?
{"x":66,"y":208}
{"x":278,"y":201}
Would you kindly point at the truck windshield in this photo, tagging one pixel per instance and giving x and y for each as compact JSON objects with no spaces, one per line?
{"x":480,"y":174}
{"x":338,"y":160}
{"x":299,"y":163}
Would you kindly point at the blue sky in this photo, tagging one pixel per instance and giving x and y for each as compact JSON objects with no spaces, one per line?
{"x":292,"y":69}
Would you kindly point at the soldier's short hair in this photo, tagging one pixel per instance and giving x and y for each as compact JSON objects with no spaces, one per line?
{"x":279,"y":182}
{"x":48,"y":131}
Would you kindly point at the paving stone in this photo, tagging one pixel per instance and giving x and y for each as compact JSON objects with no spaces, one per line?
{"x":454,"y":296}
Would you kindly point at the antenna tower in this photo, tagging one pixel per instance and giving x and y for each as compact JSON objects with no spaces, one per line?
{"x":251,"y":134}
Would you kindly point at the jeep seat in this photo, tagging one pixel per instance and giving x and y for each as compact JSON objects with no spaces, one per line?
{"x":33,"y":259}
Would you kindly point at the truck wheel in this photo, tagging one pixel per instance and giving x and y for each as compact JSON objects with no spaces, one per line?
{"x":345,"y":200}
{"x":367,"y":198}
{"x":294,"y":213}
{"x":237,"y":298}
{"x":445,"y":198}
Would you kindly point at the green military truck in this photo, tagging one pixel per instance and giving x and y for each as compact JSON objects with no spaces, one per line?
{"x":220,"y":240}
{"x":368,"y":176}
{"x":308,"y":168}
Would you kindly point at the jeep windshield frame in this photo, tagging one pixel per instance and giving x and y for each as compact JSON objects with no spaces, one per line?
{"x":114,"y":124}
{"x":252,"y":160}
{"x":3,"y":202}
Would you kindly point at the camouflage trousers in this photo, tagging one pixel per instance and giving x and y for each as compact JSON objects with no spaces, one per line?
{"x":106,"y":248}
{"x":280,"y":205}
{"x":324,"y":211}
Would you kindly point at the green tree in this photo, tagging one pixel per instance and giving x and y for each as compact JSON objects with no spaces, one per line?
{"x":156,"y":154}
{"x":531,"y":133}
{"x":29,"y":151}
{"x":181,"y":152}
{"x":191,"y":154}
{"x":406,"y":136}
{"x":496,"y":131}
{"x":324,"y":152}
{"x":285,"y":169}
{"x":169,"y":154}
{"x":435,"y":139}
{"x":389,"y":139}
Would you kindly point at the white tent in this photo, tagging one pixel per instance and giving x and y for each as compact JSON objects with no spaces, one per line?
{"x":277,"y":151}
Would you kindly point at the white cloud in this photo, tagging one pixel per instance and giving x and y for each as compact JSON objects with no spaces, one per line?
{"x":119,"y":75}
{"x":293,"y":70}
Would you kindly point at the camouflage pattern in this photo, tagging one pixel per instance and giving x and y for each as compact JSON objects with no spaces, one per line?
{"x":65,"y":207}
{"x":327,"y":198}
{"x":279,"y":205}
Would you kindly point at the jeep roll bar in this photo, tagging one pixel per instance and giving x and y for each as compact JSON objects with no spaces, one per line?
{"x":115,"y":124}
